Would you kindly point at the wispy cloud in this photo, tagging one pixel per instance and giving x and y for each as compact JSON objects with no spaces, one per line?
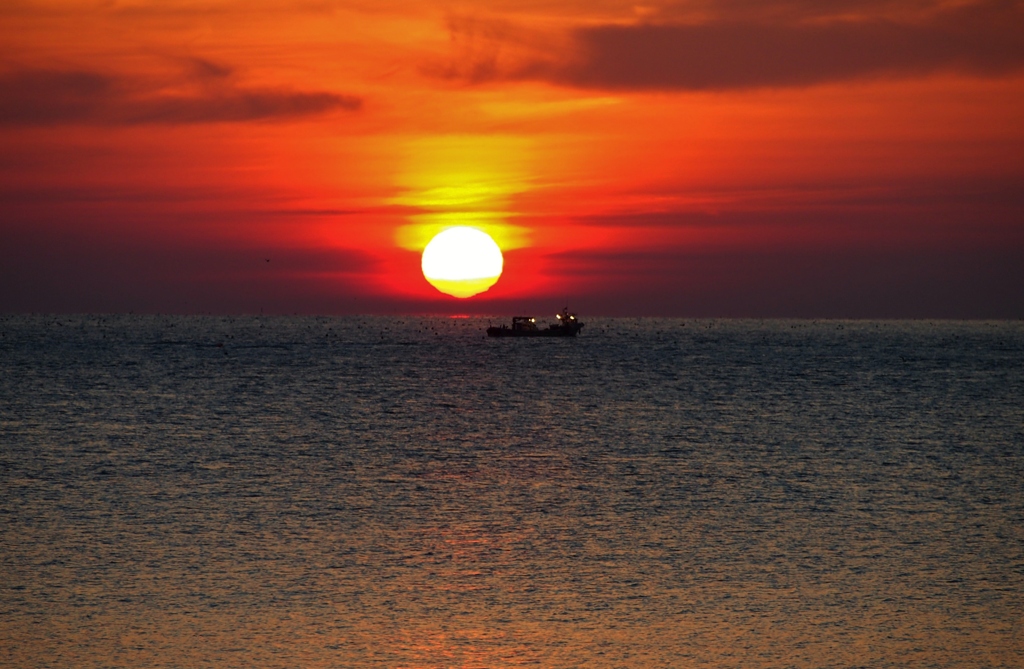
{"x":51,"y":97}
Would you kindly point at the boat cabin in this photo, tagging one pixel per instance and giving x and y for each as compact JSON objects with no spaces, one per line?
{"x":524,"y":323}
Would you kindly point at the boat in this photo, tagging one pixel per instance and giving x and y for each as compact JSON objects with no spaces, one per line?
{"x":526,"y":326}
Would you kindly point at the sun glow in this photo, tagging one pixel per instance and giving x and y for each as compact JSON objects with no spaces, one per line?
{"x":462,"y":261}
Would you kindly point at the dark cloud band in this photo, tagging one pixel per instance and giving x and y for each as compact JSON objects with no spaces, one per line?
{"x":784,"y":51}
{"x":50,"y":97}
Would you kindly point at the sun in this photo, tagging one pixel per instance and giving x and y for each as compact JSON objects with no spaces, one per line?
{"x":462,"y":261}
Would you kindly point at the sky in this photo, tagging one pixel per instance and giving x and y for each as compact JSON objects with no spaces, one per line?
{"x":700,"y":158}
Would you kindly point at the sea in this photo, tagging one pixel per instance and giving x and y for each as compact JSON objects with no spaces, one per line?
{"x":405,"y":492}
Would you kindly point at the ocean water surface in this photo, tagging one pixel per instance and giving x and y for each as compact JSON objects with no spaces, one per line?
{"x":405,"y":492}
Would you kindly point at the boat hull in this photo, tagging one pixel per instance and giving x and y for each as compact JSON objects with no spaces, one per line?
{"x":505,"y":331}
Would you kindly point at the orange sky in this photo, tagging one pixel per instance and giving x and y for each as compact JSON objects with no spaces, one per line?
{"x":715,"y":158}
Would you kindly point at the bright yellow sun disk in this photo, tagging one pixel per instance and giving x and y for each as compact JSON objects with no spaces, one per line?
{"x":462,"y":261}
